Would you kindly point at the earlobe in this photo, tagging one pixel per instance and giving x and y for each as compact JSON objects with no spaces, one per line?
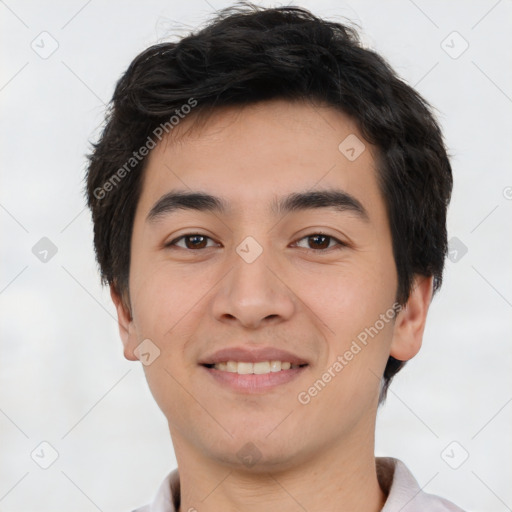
{"x":125,"y":323}
{"x":410,"y":321}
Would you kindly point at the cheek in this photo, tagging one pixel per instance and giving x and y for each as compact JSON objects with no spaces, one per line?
{"x":169,"y":304}
{"x":165,"y":311}
{"x":347,"y":298}
{"x":162,"y":300}
{"x":355,"y":307}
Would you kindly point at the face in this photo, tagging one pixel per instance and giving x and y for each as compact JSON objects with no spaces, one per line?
{"x":269,"y":273}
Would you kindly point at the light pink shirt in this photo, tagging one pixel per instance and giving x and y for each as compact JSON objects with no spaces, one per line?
{"x":404,"y":493}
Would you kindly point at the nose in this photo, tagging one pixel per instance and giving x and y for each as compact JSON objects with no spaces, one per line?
{"x":253,"y":294}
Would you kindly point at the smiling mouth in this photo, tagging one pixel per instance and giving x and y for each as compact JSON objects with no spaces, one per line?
{"x":259,"y":378}
{"x":259,"y":368}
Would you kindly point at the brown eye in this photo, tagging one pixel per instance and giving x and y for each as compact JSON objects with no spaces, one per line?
{"x":321,"y":242}
{"x":192,"y":241}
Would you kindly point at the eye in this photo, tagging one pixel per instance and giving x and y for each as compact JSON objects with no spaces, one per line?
{"x":196,"y":241}
{"x":191,"y":240}
{"x":321,"y":242}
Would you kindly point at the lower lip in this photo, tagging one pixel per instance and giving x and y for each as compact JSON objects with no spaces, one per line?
{"x":253,"y":383}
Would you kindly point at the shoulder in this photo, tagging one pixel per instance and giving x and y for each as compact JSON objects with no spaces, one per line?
{"x":404,"y":493}
{"x":166,"y":498}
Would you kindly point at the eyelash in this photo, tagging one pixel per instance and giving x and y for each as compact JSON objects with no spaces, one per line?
{"x":340,"y":244}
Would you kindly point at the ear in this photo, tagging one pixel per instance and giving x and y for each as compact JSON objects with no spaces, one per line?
{"x":410,"y":321}
{"x":125,"y":323}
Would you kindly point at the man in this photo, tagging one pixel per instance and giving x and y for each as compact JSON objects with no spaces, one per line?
{"x":269,"y":204}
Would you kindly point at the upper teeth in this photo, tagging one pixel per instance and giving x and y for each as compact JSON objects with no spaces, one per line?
{"x":257,"y":368}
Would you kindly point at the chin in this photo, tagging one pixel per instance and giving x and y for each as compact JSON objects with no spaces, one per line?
{"x":256,"y":454}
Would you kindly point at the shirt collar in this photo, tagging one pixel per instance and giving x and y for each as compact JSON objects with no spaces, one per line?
{"x":404,"y":493}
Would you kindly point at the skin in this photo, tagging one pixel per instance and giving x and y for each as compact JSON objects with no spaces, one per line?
{"x":190,"y":302}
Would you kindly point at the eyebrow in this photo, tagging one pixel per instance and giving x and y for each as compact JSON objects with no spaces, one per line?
{"x":335,"y":199}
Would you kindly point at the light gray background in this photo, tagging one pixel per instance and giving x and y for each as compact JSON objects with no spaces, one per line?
{"x":63,"y":378}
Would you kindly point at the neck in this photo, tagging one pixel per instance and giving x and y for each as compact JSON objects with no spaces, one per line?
{"x":341,"y":479}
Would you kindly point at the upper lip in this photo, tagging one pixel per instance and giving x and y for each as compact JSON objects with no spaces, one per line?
{"x":254,"y":355}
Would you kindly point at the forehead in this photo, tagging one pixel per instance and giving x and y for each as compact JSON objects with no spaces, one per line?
{"x":250,"y":156}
